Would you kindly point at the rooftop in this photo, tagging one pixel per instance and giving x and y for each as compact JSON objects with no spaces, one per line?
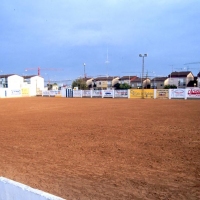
{"x":159,"y":78}
{"x":179,"y":74}
{"x":137,"y":79}
{"x":6,"y":75}
{"x":109,"y":78}
{"x":127,"y":77}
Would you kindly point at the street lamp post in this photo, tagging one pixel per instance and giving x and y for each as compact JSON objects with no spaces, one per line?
{"x":144,"y":55}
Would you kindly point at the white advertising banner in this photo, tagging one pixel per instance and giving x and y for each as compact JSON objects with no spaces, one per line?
{"x":107,"y":93}
{"x":96,"y":93}
{"x":53,"y":93}
{"x":15,"y":93}
{"x":121,"y":93}
{"x":77,"y":93}
{"x":192,"y":92}
{"x":177,"y":93}
{"x":45,"y":93}
{"x":86,"y":93}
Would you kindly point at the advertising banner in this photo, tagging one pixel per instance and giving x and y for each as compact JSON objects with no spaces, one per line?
{"x":25,"y":91}
{"x":107,"y":93}
{"x":137,"y":93}
{"x":15,"y":93}
{"x":177,"y":93}
{"x":96,"y":93}
{"x":53,"y":93}
{"x":121,"y":93}
{"x":162,"y":94}
{"x":193,"y":93}
{"x":58,"y":94}
{"x":77,"y":93}
{"x":45,"y":93}
{"x":86,"y":93}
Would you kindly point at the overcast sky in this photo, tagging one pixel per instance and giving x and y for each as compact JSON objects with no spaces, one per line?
{"x":64,"y":34}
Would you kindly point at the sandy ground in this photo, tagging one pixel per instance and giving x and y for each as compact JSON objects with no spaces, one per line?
{"x":102,"y":148}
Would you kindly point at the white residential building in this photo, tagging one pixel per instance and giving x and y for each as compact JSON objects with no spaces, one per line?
{"x":180,"y":79}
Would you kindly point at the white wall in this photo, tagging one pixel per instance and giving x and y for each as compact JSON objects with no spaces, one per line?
{"x":12,"y":190}
{"x":36,"y":83}
{"x":171,"y":81}
{"x":6,"y":92}
{"x":3,"y":92}
{"x":15,"y":81}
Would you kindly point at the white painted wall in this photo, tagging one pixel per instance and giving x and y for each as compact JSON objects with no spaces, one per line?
{"x":3,"y":92}
{"x":171,"y":81}
{"x":6,"y":92}
{"x":36,"y":83}
{"x":12,"y":190}
{"x":15,"y":81}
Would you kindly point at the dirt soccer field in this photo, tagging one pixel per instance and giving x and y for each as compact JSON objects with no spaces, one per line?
{"x":102,"y":148}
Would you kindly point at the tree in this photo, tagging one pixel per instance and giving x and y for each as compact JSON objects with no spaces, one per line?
{"x":170,"y":87}
{"x":124,"y":86}
{"x":117,"y":86}
{"x":80,"y":83}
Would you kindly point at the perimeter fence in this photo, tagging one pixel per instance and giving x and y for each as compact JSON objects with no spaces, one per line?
{"x":180,"y":93}
{"x":187,"y":93}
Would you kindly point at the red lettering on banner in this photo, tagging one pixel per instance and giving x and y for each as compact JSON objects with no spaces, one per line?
{"x":194,"y":92}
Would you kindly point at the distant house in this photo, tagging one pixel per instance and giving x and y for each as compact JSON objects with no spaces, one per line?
{"x":137,"y":82}
{"x":55,"y":86}
{"x":158,"y":82}
{"x":103,"y":82}
{"x":180,"y":79}
{"x":126,"y":79}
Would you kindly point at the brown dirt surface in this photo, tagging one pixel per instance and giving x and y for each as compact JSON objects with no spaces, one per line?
{"x":102,"y":148}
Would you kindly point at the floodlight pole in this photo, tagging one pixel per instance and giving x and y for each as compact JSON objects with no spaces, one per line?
{"x":144,"y":55}
{"x":84,"y":70}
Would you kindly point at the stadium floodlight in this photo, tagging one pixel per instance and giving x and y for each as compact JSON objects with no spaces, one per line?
{"x":84,"y":70}
{"x":143,"y":55}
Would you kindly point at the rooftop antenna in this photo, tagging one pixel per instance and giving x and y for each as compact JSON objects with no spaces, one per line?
{"x":107,"y":61}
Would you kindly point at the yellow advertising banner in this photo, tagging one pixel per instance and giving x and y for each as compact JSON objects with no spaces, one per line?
{"x":162,"y":94}
{"x":25,"y":91}
{"x":137,"y":93}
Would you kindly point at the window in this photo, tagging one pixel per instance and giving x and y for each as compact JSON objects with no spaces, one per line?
{"x":27,"y":80}
{"x":99,"y":83}
{"x":161,"y":85}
